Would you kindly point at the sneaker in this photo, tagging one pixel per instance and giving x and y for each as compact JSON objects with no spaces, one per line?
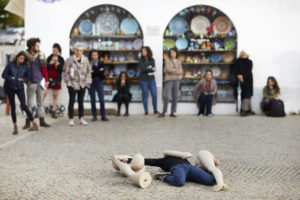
{"x":172,"y":115}
{"x":146,"y":113}
{"x":83,"y":122}
{"x":156,"y":112}
{"x":200,"y":115}
{"x":71,"y":122}
{"x":104,"y":119}
{"x":209,"y":115}
{"x":160,"y":177}
{"x":161,"y":115}
{"x":94,"y":119}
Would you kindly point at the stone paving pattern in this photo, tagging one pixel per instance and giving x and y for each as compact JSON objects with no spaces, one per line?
{"x":259,"y":157}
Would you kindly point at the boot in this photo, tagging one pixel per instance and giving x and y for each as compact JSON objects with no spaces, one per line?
{"x":15,"y":129}
{"x":34,"y":127}
{"x":126,"y":113}
{"x":27,"y":124}
{"x":53,"y":115}
{"x":43,"y":123}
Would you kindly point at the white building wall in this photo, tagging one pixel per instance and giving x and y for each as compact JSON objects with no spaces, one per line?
{"x":267,"y":29}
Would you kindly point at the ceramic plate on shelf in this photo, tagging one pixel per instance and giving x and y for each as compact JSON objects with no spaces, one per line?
{"x":169,"y":43}
{"x":107,"y":23}
{"x":199,"y":24}
{"x":131,"y":73}
{"x":217,"y":44}
{"x":216,"y":71}
{"x":122,"y":44}
{"x":215,"y":57}
{"x":182,"y":43}
{"x":222,"y":25}
{"x":121,"y":58}
{"x":228,"y":57}
{"x":138,"y":43}
{"x":119,"y":68}
{"x":229,"y":43}
{"x":129,"y":26}
{"x":129,"y":45}
{"x":177,"y":25}
{"x":86,"y":27}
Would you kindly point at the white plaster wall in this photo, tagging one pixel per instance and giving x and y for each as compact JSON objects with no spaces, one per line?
{"x":267,"y":29}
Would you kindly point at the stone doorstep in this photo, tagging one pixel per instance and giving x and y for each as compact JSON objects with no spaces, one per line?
{"x":109,"y":111}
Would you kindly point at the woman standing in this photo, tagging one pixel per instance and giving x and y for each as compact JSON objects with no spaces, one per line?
{"x":77,"y":75}
{"x":123,"y":95}
{"x":16,"y":74}
{"x":147,"y":79}
{"x":173,"y":71}
{"x":205,"y":93}
{"x":270,"y":92}
{"x":243,"y":67}
{"x":55,"y":64}
{"x":97,"y":85}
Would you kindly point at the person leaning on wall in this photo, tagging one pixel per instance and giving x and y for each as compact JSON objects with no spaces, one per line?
{"x":77,"y":75}
{"x":205,"y":94}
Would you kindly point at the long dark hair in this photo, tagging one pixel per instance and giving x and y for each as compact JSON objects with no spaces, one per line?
{"x":176,"y":51}
{"x":21,"y":53}
{"x":126,"y":80}
{"x":91,"y":52}
{"x":57,"y":46}
{"x":275,"y":86}
{"x":149,"y":52}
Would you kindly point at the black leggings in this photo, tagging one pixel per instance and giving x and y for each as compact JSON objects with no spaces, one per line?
{"x":123,"y":98}
{"x":21,"y":95}
{"x":80,"y":96}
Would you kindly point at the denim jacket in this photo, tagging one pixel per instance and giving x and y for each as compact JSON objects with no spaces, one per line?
{"x":12,"y":73}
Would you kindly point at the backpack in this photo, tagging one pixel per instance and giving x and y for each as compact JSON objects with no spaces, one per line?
{"x":276,"y":108}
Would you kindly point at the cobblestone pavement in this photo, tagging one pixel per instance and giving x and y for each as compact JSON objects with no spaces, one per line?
{"x":259,"y":157}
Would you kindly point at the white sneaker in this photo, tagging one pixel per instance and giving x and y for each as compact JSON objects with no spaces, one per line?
{"x":201,"y":115}
{"x":71,"y":122}
{"x":83,"y":122}
{"x":209,"y":115}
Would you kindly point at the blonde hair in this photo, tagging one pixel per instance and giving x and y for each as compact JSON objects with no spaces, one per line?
{"x":244,"y":52}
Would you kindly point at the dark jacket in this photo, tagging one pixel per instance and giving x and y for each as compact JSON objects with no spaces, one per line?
{"x":123,"y":89}
{"x":147,"y":74}
{"x":13,"y":71}
{"x":60,"y":67}
{"x":243,"y":67}
{"x":96,"y":74}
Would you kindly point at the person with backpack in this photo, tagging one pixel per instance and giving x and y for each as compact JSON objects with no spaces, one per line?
{"x":271,"y":105}
{"x":16,"y":73}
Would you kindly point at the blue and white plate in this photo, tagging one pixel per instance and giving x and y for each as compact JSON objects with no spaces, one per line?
{"x":107,"y":23}
{"x":138,"y":43}
{"x":131,"y":73}
{"x":121,"y":58}
{"x":177,"y":25}
{"x":215,"y":57}
{"x":129,"y":45}
{"x":182,"y":43}
{"x":119,"y":69}
{"x":129,"y":26}
{"x":86,"y":27}
{"x":217,"y":44}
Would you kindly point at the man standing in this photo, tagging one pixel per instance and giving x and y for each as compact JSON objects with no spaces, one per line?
{"x":77,"y":75}
{"x":38,"y":80}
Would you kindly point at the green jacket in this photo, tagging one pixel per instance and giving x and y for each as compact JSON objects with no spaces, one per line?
{"x":269,"y":94}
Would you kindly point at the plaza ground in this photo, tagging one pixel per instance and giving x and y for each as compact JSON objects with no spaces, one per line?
{"x":259,"y":157}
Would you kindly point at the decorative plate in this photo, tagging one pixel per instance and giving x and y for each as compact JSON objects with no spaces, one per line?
{"x":216,"y":71}
{"x":217,"y":44}
{"x":199,"y":24}
{"x":86,"y":27}
{"x":129,"y":26}
{"x":119,"y":69}
{"x":215,"y":57}
{"x":177,"y":25}
{"x":169,"y":43}
{"x":121,"y":58}
{"x":138,"y":43}
{"x":228,"y":57}
{"x":229,"y":43}
{"x":131,"y":73}
{"x":129,"y":45}
{"x":107,"y":23}
{"x":182,"y":43}
{"x":122,"y":44}
{"x":222,"y":25}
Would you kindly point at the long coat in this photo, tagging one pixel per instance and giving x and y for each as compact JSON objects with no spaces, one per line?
{"x":243,"y":66}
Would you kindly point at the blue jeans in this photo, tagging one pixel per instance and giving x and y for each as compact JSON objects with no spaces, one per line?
{"x":205,"y":100}
{"x":146,"y":86}
{"x":97,"y":86}
{"x":186,"y":172}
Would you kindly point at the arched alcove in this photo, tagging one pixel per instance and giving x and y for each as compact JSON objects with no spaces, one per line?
{"x":206,"y":39}
{"x":118,"y":37}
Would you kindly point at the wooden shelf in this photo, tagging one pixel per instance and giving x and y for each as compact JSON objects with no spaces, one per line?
{"x":120,"y":63}
{"x":219,"y":36}
{"x":93,"y":37}
{"x":219,"y":63}
{"x":116,"y":78}
{"x":199,"y":77}
{"x":203,"y":50}
{"x":112,"y":50}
